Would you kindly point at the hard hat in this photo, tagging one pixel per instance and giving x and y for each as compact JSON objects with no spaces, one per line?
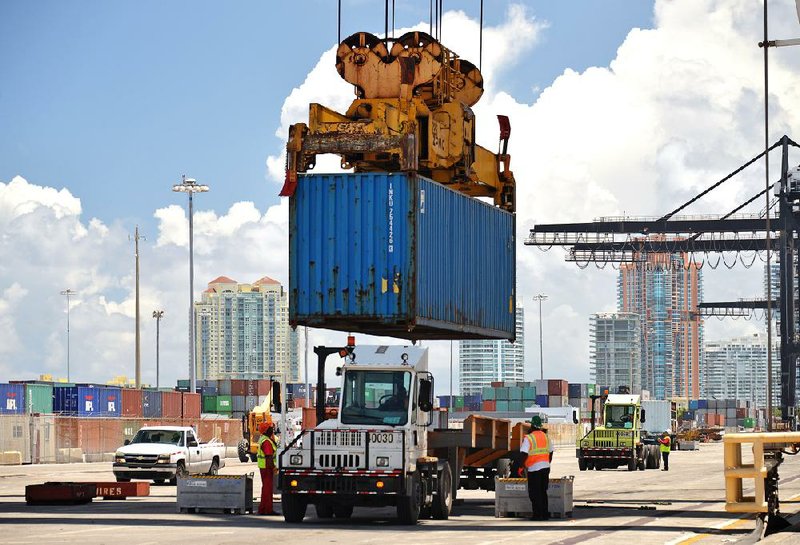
{"x":262,"y":427}
{"x":667,"y":432}
{"x":536,"y":421}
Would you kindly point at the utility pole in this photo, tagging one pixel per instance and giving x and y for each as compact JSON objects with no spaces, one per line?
{"x":540,"y":297}
{"x":136,"y":238}
{"x":68,"y":293}
{"x":158,"y":314}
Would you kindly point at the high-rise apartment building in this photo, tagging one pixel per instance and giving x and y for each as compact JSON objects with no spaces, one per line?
{"x":664,"y":290}
{"x":615,"y":351}
{"x":737,"y":369}
{"x":481,"y":362}
{"x":242,"y":331}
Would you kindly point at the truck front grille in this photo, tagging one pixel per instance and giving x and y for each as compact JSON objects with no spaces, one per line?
{"x":339,"y":461}
{"x":141,"y":459}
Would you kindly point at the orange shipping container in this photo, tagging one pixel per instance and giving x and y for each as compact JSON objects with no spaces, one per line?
{"x":191,"y":405}
{"x":131,"y":403}
{"x":490,"y":406}
{"x":171,"y":405}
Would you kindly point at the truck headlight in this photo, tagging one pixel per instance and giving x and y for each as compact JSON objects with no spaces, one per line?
{"x":296,"y":459}
{"x":382,"y":461}
{"x":119,"y":458}
{"x":163,"y":459}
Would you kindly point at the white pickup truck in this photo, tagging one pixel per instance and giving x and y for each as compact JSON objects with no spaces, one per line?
{"x":166,"y":453}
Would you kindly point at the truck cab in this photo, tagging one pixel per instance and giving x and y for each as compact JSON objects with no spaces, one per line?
{"x":618,"y":440}
{"x":374,"y":453}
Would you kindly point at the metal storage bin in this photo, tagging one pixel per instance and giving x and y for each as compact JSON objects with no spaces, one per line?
{"x":226,"y":493}
{"x":511,"y":497}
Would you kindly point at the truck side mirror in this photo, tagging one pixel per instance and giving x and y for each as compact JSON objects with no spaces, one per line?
{"x":425,"y":398}
{"x":276,"y":397}
{"x":127,"y":442}
{"x":574,"y":416}
{"x":642,"y":415}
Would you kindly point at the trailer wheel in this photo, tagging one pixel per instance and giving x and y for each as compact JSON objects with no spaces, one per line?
{"x":598,"y":465}
{"x":632,"y":463}
{"x":582,"y":463}
{"x":294,"y":508}
{"x":649,"y":463}
{"x":343,"y":511}
{"x":324,"y":510}
{"x":442,"y":499}
{"x":640,"y":464}
{"x":408,"y":506}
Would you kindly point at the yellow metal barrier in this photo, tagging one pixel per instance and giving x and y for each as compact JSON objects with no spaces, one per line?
{"x":736,"y":471}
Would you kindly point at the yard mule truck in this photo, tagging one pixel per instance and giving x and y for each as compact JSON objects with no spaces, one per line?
{"x":620,"y":439}
{"x":384,"y":447}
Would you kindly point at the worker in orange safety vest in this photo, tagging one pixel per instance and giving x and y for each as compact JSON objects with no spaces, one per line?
{"x":539,"y":453}
{"x":266,"y":455}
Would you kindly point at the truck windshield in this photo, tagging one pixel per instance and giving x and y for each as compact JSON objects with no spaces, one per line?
{"x":619,"y":416}
{"x":376,"y":397}
{"x":164,"y":437}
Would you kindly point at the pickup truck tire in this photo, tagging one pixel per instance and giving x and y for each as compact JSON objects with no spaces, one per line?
{"x":180,"y":472}
{"x":294,"y":508}
{"x":214,"y":469}
{"x":343,"y":511}
{"x":158,"y":481}
{"x":324,"y":510}
{"x":408,"y":507}
{"x":442,"y":499}
{"x":123,"y":480}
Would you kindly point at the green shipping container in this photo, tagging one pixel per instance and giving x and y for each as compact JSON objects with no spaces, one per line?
{"x":209,"y":404}
{"x":529,"y":393}
{"x":39,"y":398}
{"x":591,"y":389}
{"x":502,"y":405}
{"x":488,"y":393}
{"x":516,"y":406}
{"x":183,"y":383}
{"x":515,"y":393}
{"x":501,"y":393}
{"x":459,"y":404}
{"x":224,"y":405}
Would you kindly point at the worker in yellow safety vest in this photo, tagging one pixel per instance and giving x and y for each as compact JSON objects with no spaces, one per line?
{"x":538,"y":449}
{"x":665,"y":446}
{"x":267,"y":456}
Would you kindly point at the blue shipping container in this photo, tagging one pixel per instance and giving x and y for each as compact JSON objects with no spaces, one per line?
{"x":693,"y":404}
{"x":88,"y":401}
{"x":399,"y":255}
{"x":702,"y":404}
{"x":542,"y":400}
{"x":151,"y":403}
{"x":12,"y":398}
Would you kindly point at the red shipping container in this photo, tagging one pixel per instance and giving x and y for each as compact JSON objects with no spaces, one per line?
{"x":741,"y":413}
{"x":131,"y":403}
{"x":721,"y":420}
{"x":497,"y":384}
{"x":557,"y":387}
{"x":171,"y":404}
{"x":264,"y":387}
{"x":238,"y":387}
{"x":191,"y":405}
{"x":490,"y":406}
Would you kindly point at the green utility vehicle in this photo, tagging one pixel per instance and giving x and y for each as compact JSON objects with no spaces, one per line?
{"x":620,"y":440}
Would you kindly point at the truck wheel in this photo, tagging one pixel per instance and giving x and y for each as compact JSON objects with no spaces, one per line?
{"x":324,"y":510}
{"x":241,"y":450}
{"x":598,"y":465}
{"x":214,"y":469}
{"x":408,"y":506}
{"x":582,"y":463}
{"x":343,"y":511}
{"x":294,"y":508}
{"x":632,"y":463}
{"x":442,"y":500}
{"x":640,"y":464}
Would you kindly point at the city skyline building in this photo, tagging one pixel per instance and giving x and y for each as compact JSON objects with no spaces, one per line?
{"x":737,"y":369}
{"x":242,"y":331}
{"x":664,"y":292}
{"x":482,"y":361}
{"x":615,"y":351}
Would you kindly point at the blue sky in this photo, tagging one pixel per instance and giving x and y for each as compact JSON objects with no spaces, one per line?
{"x":115,"y":100}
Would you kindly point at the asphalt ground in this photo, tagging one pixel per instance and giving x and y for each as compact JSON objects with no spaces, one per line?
{"x":682,"y":506}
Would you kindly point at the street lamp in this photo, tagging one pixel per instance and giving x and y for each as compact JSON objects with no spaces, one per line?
{"x":158,"y":314}
{"x":540,"y":297}
{"x":68,"y":293}
{"x":190,"y":186}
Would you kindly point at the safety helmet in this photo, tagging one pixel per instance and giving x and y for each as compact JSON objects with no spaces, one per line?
{"x":537,"y":421}
{"x":667,"y":432}
{"x":262,"y":427}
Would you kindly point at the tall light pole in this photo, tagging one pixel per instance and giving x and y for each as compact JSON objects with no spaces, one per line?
{"x":190,"y":186}
{"x":158,"y":314}
{"x":138,"y":366}
{"x":540,"y":297}
{"x":68,"y":293}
